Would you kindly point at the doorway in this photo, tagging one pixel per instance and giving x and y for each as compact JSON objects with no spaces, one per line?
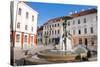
{"x":86,"y":42}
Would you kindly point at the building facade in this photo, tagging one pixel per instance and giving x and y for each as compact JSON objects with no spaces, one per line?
{"x":52,"y":30}
{"x":25,"y":26}
{"x":83,"y":27}
{"x":40,"y":36}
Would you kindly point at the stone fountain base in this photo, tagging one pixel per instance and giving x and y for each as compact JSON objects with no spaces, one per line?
{"x":57,"y":56}
{"x":62,"y":56}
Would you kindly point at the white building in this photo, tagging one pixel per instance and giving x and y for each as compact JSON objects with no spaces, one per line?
{"x":83,"y":27}
{"x":24,"y":26}
{"x":52,"y":30}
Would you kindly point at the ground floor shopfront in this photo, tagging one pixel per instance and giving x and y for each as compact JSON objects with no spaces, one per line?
{"x":23,"y":40}
{"x":89,"y":41}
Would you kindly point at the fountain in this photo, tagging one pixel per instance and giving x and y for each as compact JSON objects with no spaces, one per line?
{"x":64,"y":53}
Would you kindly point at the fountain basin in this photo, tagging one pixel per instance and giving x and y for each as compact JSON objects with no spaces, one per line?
{"x":58,"y":56}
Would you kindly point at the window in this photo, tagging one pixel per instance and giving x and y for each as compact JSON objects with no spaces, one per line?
{"x":79,"y":31}
{"x":49,"y":40}
{"x":17,"y":37}
{"x":50,"y":32}
{"x":55,"y":31}
{"x":26,"y":27}
{"x":55,"y":25}
{"x":91,"y":29}
{"x":85,"y":30}
{"x":41,"y":40}
{"x":86,"y":41}
{"x":32,"y":29}
{"x":73,"y":22}
{"x":58,"y":25}
{"x":74,"y":32}
{"x":19,"y":11}
{"x":52,"y":25}
{"x":27,"y":14}
{"x":80,"y":40}
{"x":58,"y":31}
{"x":78,"y":21}
{"x":18,"y":25}
{"x":41,"y":34}
{"x":45,"y":32}
{"x":69,"y":31}
{"x":84,"y":20}
{"x":32,"y":18}
{"x":25,"y":39}
{"x":68,"y":23}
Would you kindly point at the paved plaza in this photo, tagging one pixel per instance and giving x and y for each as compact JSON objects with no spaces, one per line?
{"x":31,"y":58}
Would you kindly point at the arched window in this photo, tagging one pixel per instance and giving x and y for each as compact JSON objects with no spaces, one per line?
{"x":85,"y":30}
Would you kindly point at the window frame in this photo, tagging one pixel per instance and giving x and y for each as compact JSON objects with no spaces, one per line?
{"x":27,"y":15}
{"x":19,"y":11}
{"x":18,"y":25}
{"x":32,"y":18}
{"x":26,"y":27}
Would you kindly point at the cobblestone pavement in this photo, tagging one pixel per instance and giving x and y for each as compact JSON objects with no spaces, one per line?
{"x":21,"y":59}
{"x":19,"y":54}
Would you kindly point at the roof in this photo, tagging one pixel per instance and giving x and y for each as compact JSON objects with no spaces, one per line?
{"x":40,"y":29}
{"x":54,"y":20}
{"x":86,"y":12}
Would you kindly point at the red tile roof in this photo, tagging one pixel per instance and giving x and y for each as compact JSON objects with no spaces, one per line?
{"x":57,"y":19}
{"x":82,"y":13}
